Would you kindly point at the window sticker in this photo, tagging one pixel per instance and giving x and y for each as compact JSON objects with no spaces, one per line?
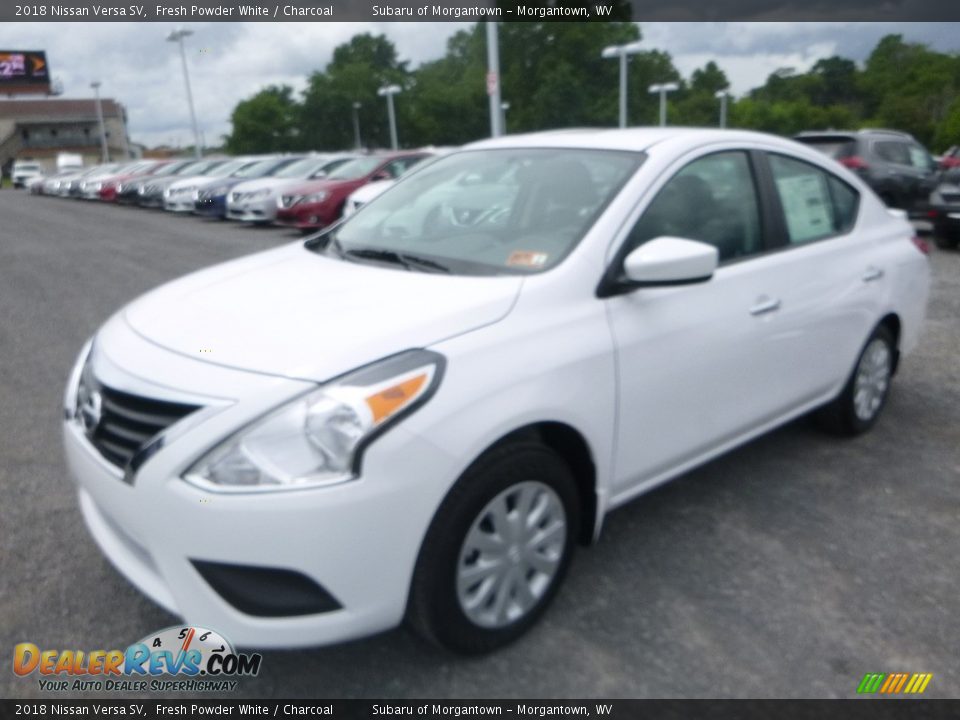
{"x":526,"y":258}
{"x":806,"y":205}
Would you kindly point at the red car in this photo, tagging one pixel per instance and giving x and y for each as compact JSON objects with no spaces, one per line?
{"x":319,"y":203}
{"x":951,"y":158}
{"x":110,"y":186}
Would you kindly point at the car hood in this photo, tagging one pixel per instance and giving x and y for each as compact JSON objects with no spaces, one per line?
{"x":189,"y":181}
{"x":224,"y":182}
{"x":273,"y":184}
{"x":313,"y":186}
{"x":299,"y":314}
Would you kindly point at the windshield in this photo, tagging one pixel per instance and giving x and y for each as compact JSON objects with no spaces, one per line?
{"x":138,"y":167}
{"x":488,"y":212}
{"x":264,"y":167}
{"x":170,"y":168}
{"x":302,"y":169}
{"x":356,"y":169}
{"x":193,"y":168}
{"x":329,"y":166}
{"x":229,"y":168}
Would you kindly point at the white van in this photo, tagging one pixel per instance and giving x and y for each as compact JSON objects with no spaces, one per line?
{"x":24,"y":170}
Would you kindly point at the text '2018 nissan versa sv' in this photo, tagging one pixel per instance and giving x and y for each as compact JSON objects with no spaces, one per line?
{"x":418,"y":413}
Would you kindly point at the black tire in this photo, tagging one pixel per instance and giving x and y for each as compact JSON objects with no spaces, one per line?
{"x":434,"y":610}
{"x":946,"y":243}
{"x":840,"y":416}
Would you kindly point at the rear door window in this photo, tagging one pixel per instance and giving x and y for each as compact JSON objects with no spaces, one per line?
{"x":893,"y":151}
{"x":919,"y":157}
{"x":816,"y":204}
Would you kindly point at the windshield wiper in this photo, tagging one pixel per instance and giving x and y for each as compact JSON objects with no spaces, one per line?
{"x":425,"y":262}
{"x":391,"y":256}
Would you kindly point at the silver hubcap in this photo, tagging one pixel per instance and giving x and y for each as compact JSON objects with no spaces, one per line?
{"x":511,"y":554}
{"x":872,"y":381}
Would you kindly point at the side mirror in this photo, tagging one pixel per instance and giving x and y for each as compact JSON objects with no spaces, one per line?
{"x":671,"y":261}
{"x":382,"y":175}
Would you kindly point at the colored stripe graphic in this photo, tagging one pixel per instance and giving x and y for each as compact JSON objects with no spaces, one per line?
{"x":894,"y":683}
{"x":871,"y":682}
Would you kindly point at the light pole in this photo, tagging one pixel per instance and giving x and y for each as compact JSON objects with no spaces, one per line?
{"x":622,"y":51}
{"x":388,"y":91}
{"x":662,"y":89}
{"x":104,"y":150}
{"x":177,"y":36}
{"x":722,"y":96}
{"x":356,"y":125}
{"x":493,"y":79}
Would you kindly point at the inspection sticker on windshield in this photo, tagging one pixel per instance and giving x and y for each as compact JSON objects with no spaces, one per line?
{"x":525,"y":258}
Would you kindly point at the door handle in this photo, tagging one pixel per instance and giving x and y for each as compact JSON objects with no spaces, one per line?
{"x":765,"y":305}
{"x":871,"y":274}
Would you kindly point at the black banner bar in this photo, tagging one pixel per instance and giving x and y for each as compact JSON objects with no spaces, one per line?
{"x":473,"y":10}
{"x":863,"y":709}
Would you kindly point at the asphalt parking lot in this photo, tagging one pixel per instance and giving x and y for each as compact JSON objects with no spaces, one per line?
{"x":788,"y":568}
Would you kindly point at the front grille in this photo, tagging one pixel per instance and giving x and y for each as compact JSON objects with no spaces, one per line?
{"x":119,"y":424}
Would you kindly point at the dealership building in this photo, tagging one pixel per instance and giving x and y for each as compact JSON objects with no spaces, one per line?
{"x":40,"y":129}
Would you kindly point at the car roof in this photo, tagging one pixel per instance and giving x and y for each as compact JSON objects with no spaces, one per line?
{"x":638,"y":139}
{"x":852,"y":134}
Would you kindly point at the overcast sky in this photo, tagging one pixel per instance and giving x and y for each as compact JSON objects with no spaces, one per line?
{"x":231,"y":61}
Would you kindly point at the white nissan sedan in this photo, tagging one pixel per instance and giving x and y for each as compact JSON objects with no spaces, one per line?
{"x":418,"y":413}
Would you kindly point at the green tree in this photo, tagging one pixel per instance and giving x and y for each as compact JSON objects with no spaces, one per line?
{"x":358,"y":69}
{"x":266,"y":122}
{"x":696,"y":102}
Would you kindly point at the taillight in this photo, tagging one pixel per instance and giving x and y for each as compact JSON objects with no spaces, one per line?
{"x":921,"y":244}
{"x":854,"y":162}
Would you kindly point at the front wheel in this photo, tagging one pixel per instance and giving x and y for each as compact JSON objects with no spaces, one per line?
{"x":496,"y":551}
{"x":858,"y":406}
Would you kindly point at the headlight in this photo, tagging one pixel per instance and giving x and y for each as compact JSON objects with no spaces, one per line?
{"x":70,"y":399}
{"x":317,"y":197}
{"x":318,"y":438}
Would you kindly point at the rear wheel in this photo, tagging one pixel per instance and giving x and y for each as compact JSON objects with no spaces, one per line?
{"x":859,"y":405}
{"x":496,"y":551}
{"x":946,"y":243}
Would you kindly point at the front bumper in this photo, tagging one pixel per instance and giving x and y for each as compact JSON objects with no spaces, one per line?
{"x":211,"y":206}
{"x":253,"y":211}
{"x":358,"y":540}
{"x":181,"y":203}
{"x":305,"y":216}
{"x":150,"y":200}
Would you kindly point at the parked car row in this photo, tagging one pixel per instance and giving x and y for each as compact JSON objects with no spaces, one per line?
{"x":304,"y":191}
